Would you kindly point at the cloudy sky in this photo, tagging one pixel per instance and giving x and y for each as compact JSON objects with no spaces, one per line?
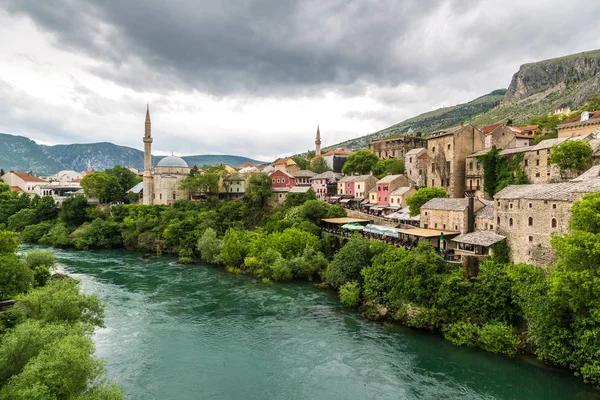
{"x":254,"y":78}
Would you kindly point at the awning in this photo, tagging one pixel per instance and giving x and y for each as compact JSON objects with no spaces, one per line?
{"x":381,"y":230}
{"x":377,"y":208}
{"x":365,"y":201}
{"x":392,"y":208}
{"x":353,"y":226}
{"x":335,"y":197}
{"x":345,"y":200}
{"x":428,"y":233}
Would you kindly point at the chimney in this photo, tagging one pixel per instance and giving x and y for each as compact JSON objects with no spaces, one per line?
{"x":471,"y":215}
{"x":585,"y":116}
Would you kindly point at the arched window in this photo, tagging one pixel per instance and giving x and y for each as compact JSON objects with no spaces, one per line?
{"x":530,"y":221}
{"x":510,"y":222}
{"x":554,"y":223}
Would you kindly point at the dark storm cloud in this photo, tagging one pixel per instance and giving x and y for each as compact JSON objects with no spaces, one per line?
{"x":234,"y":46}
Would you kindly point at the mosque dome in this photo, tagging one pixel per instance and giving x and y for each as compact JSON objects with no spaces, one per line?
{"x":172,"y":161}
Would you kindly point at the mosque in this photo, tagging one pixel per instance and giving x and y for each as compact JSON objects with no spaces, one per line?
{"x":161,"y":183}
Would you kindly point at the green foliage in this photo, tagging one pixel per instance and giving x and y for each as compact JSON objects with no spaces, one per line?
{"x":74,"y":210}
{"x":19,"y":221}
{"x":496,"y":337}
{"x":97,"y":235}
{"x":15,"y":276}
{"x":378,"y":277}
{"x":361,"y":162}
{"x":309,"y":264}
{"x":501,"y":171}
{"x":41,"y":263}
{"x":501,"y":252}
{"x":592,"y":104}
{"x":235,"y":247}
{"x":350,"y":294}
{"x":297,"y":199}
{"x":210,"y":246}
{"x":207,"y":182}
{"x":391,"y":166}
{"x":303,"y":163}
{"x":292,"y":242}
{"x":319,"y":165}
{"x":58,"y":236}
{"x":33,"y":233}
{"x":102,"y":186}
{"x":258,"y":192}
{"x":9,"y":242}
{"x":348,"y":262}
{"x":572,"y":156}
{"x":422,"y":196}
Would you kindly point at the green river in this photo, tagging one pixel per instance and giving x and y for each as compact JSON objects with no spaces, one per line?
{"x":197,"y":332}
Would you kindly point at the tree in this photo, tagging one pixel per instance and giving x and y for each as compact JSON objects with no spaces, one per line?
{"x":73,"y":210}
{"x":361,"y":162}
{"x":592,"y":104}
{"x":391,"y":166}
{"x":348,"y":262}
{"x":297,"y":199}
{"x":303,"y":163}
{"x":15,"y":276}
{"x":210,"y":246}
{"x":126,"y":178}
{"x":207,"y":182}
{"x":572,"y":156}
{"x":319,"y":165}
{"x":422,"y":196}
{"x":258,"y":190}
{"x":103,"y":186}
{"x":46,"y":209}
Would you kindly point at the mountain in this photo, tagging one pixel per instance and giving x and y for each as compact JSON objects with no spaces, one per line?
{"x":22,"y":154}
{"x":536,"y":89}
{"x":433,"y":120}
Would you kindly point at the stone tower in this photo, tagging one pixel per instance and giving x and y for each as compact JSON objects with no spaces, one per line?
{"x":318,"y":142}
{"x":148,"y":184}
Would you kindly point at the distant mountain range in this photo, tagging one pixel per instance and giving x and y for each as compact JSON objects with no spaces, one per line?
{"x":536,"y":89}
{"x":19,"y":153}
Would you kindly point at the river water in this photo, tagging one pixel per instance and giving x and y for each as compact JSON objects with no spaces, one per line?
{"x":197,"y":332}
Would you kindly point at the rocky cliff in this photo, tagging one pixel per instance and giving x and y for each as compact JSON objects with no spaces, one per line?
{"x":556,"y":74}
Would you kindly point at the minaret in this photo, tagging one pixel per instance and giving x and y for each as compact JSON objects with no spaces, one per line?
{"x":148,"y":184}
{"x":318,"y":142}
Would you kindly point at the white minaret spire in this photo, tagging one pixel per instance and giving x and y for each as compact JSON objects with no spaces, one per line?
{"x":318,"y":142}
{"x":148,"y":184}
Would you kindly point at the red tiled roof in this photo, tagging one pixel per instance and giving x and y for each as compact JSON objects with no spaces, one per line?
{"x":15,"y":189}
{"x":281,"y":161}
{"x":520,"y":135}
{"x":319,"y":156}
{"x":488,"y":128}
{"x":27,"y":177}
{"x":424,"y":155}
{"x":76,"y":180}
{"x":529,"y":127}
{"x":337,"y":153}
{"x":247,"y":164}
{"x":594,"y":115}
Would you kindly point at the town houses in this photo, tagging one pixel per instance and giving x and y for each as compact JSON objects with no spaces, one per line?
{"x":469,"y":222}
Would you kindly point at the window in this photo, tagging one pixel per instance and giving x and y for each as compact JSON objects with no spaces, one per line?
{"x":410,"y":159}
{"x":432,"y":167}
{"x":510,"y":222}
{"x":442,"y":182}
{"x":282,"y":180}
{"x":425,"y":212}
{"x":491,"y":227}
{"x":160,"y":196}
{"x":511,"y":206}
{"x":554,"y":223}
{"x":498,"y":204}
{"x":470,"y":165}
{"x":392,"y":200}
{"x":444,"y":226}
{"x":433,"y":149}
{"x":537,"y":175}
{"x":435,"y":225}
{"x":455,"y":227}
{"x":530,"y":221}
{"x":385,"y":199}
{"x":526,"y":162}
{"x":537,"y":162}
{"x":433,"y":182}
{"x":530,"y":205}
{"x":498,"y":220}
{"x":359,"y":187}
{"x":477,"y":183}
{"x":173,"y":195}
{"x":477,"y":164}
{"x":425,"y":225}
{"x":448,"y":147}
{"x":379,"y":188}
{"x":538,"y":152}
{"x":420,"y":172}
{"x":554,"y":206}
{"x":530,"y":239}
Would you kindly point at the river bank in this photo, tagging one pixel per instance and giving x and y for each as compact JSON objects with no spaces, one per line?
{"x":185,"y":331}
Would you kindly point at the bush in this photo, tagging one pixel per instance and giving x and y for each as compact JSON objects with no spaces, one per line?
{"x":310,"y":263}
{"x":33,"y":233}
{"x":210,"y":246}
{"x":348,"y":262}
{"x":58,"y":236}
{"x":19,"y":221}
{"x":462,"y":333}
{"x":41,"y":263}
{"x":350,"y":294}
{"x":498,"y":337}
{"x":15,"y":276}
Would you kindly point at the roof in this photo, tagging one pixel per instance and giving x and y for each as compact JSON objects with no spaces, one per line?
{"x":548,"y":191}
{"x":446,"y":204}
{"x":304,"y":173}
{"x":284,"y":161}
{"x":488,"y":128}
{"x":172,"y":161}
{"x":344,"y":220}
{"x":486,"y":212}
{"x":327,"y":175}
{"x":356,"y":178}
{"x":137,"y":188}
{"x":415,"y":152}
{"x":400,"y":191}
{"x":300,"y":189}
{"x":15,"y":189}
{"x":593,"y":118}
{"x":544,"y":144}
{"x":26,"y":177}
{"x":278,"y":171}
{"x":479,"y":238}
{"x":389,"y":178}
{"x":338,"y":152}
{"x":247,"y":164}
{"x":446,"y":132}
{"x":424,"y":232}
{"x":593,"y":172}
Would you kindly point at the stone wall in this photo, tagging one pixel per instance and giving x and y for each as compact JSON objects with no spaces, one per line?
{"x":445,"y":220}
{"x":376,"y":220}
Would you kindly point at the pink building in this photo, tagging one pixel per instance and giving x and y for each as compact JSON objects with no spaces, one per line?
{"x":386,"y":185}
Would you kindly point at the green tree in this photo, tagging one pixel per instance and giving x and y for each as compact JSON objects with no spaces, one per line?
{"x":210,"y":246}
{"x":297,"y":199}
{"x":319,"y":165}
{"x":41,"y":263}
{"x":350,"y":294}
{"x":46,"y":209}
{"x":207,"y":182}
{"x":391,"y":166}
{"x":74,"y":210}
{"x":361,"y":162}
{"x":572,"y":156}
{"x":19,"y":221}
{"x":9,"y":243}
{"x":303,"y":163}
{"x":348,"y":262}
{"x":235,"y":247}
{"x":103,"y":186}
{"x":126,"y":178}
{"x":15,"y":276}
{"x":422,"y":196}
{"x":258,"y":191}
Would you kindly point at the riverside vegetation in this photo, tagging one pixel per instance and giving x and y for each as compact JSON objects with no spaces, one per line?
{"x":551,"y":312}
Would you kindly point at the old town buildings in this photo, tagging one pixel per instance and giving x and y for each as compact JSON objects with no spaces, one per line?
{"x":586,"y":123}
{"x":396,"y":147}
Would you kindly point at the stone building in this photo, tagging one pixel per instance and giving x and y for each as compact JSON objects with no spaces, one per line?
{"x":448,"y":151}
{"x":529,"y":214}
{"x":161,"y":185}
{"x":398,"y":196}
{"x":504,"y":137}
{"x":396,"y":147}
{"x":286,"y":165}
{"x":358,"y":186}
{"x":415,"y":165}
{"x":484,"y":217}
{"x":325,"y":185}
{"x":387,"y":184}
{"x":454,"y":215}
{"x":303,"y":177}
{"x":584,"y":124}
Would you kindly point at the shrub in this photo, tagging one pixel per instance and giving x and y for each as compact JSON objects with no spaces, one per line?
{"x":499,"y":337}
{"x":33,"y":233}
{"x":462,"y":333}
{"x":210,"y":246}
{"x":350,"y":294}
{"x":58,"y":236}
